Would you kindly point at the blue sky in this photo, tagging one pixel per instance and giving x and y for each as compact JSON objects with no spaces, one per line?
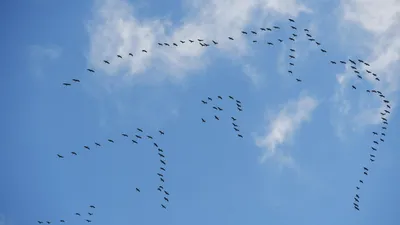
{"x":304,"y":146}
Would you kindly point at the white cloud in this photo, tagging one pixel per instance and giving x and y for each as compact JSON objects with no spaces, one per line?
{"x":282,"y":127}
{"x":40,"y":55}
{"x":115,"y":30}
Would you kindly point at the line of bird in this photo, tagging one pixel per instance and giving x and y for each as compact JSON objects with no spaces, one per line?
{"x":292,"y":38}
{"x":203,"y":43}
{"x":375,"y":144}
{"x":218,"y":108}
{"x":76,"y":214}
{"x":161,"y":155}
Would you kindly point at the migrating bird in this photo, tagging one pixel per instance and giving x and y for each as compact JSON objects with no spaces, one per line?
{"x":90,"y":70}
{"x":92,"y":206}
{"x":97,"y":144}
{"x":74,"y":153}
{"x":87,"y":147}
{"x":134,"y":141}
{"x":66,"y":84}
{"x":60,"y":156}
{"x":323,"y":50}
{"x":125,"y":135}
{"x":137,"y":189}
{"x":149,"y":137}
{"x":162,"y":168}
{"x":130,"y":54}
{"x":119,"y":56}
{"x":139,"y":129}
{"x":298,"y":80}
{"x":105,"y":61}
{"x":78,"y":214}
{"x":203,"y":120}
{"x":161,"y":132}
{"x":373,"y":148}
{"x":76,"y":80}
{"x":109,"y":140}
{"x":291,"y":20}
{"x":162,"y":161}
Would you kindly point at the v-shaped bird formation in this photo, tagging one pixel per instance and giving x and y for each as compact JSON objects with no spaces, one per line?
{"x":359,"y":68}
{"x":217,"y":108}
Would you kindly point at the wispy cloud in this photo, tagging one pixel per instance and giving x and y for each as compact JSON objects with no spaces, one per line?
{"x":115,"y":30}
{"x":281,"y":127}
{"x":253,"y":74}
{"x":40,"y":55}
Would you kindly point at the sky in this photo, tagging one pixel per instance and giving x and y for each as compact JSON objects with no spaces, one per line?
{"x":304,"y":144}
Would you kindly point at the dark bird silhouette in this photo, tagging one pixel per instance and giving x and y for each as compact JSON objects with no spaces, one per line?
{"x":353,"y":87}
{"x":376,"y":142}
{"x":233,"y":118}
{"x":149,"y":137}
{"x":90,"y":70}
{"x":78,"y":214}
{"x":92,"y":206}
{"x":97,"y":144}
{"x":318,"y":43}
{"x":374,"y":149}
{"x":293,"y":27}
{"x":294,"y":35}
{"x":215,"y":43}
{"x":161,"y":155}
{"x":139,"y":129}
{"x":309,"y":35}
{"x":365,"y":168}
{"x":333,"y":62}
{"x":166,"y":199}
{"x":160,"y":44}
{"x":138,"y":136}
{"x":90,"y":214}
{"x":125,"y":135}
{"x":236,"y":129}
{"x":353,"y":67}
{"x":105,"y":61}
{"x":155,"y":144}
{"x":292,"y":57}
{"x":239,"y":135}
{"x":119,"y":56}
{"x":87,"y":147}
{"x":231,"y":38}
{"x":161,"y":132}
{"x":40,"y":222}
{"x":162,"y":180}
{"x":291,"y":64}
{"x":280,"y":40}
{"x":270,"y":43}
{"x":361,"y":181}
{"x":291,"y":20}
{"x":382,"y":140}
{"x":263,"y":29}
{"x":62,"y":221}
{"x":183,"y":42}
{"x":163,"y":206}
{"x":383,"y":134}
{"x":235,"y":125}
{"x":200,"y":40}
{"x":66,"y":84}
{"x":134,"y":141}
{"x":306,"y":30}
{"x":74,"y":153}
{"x":375,"y":133}
{"x":203,"y":120}
{"x":343,"y":62}
{"x":144,"y":51}
{"x":244,"y":32}
{"x":162,"y":161}
{"x":137,"y":189}
{"x":216,"y":117}
{"x":110,"y":140}
{"x":373,"y":156}
{"x":76,"y":80}
{"x":366,"y":64}
{"x":174,"y":44}
{"x":276,"y":27}
{"x":162,"y":168}
{"x":311,"y":39}
{"x":352,"y":62}
{"x":368,"y":71}
{"x":88,"y":221}
{"x":365,"y":173}
{"x":323,"y":50}
{"x":298,"y":80}
{"x":166,"y":44}
{"x":292,"y":50}
{"x":292,"y":39}
{"x":130,"y":54}
{"x":372,"y":160}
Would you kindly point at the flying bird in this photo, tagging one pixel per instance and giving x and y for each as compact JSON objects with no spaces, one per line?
{"x":105,"y":61}
{"x":76,"y":80}
{"x":161,"y":132}
{"x":110,"y":140}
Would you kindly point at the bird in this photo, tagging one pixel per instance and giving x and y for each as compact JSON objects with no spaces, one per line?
{"x":161,"y":132}
{"x":144,"y":51}
{"x":139,"y":129}
{"x":110,"y":140}
{"x":166,"y":199}
{"x":166,"y":192}
{"x":138,"y":136}
{"x":161,"y":155}
{"x":162,"y":168}
{"x":92,"y":206}
{"x":244,"y":32}
{"x":105,"y":61}
{"x":323,"y":50}
{"x":293,"y":27}
{"x":216,"y":117}
{"x":365,"y":168}
{"x":87,"y":147}
{"x":74,"y":153}
{"x":40,"y":222}
{"x":62,"y":221}
{"x":137,"y":189}
{"x":292,"y":39}
{"x":292,"y":57}
{"x":134,"y":141}
{"x":203,"y":120}
{"x":298,"y":80}
{"x":76,"y":80}
{"x":97,"y":144}
{"x":353,"y":87}
{"x":162,"y":161}
{"x":239,"y":135}
{"x":66,"y":84}
{"x":130,"y":54}
{"x":119,"y":56}
{"x":333,"y":62}
{"x":233,"y":118}
{"x":149,"y":137}
{"x":90,"y":214}
{"x":155,"y":144}
{"x":163,"y":206}
{"x":78,"y":214}
{"x":90,"y":70}
{"x":361,"y":181}
{"x":215,"y":42}
{"x":88,"y":221}
{"x":373,"y":148}
{"x":125,"y":135}
{"x":231,"y":38}
{"x":291,"y":20}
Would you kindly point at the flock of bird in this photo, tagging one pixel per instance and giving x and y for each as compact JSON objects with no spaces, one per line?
{"x":89,"y":220}
{"x":136,"y":139}
{"x":218,"y":108}
{"x":358,"y":71}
